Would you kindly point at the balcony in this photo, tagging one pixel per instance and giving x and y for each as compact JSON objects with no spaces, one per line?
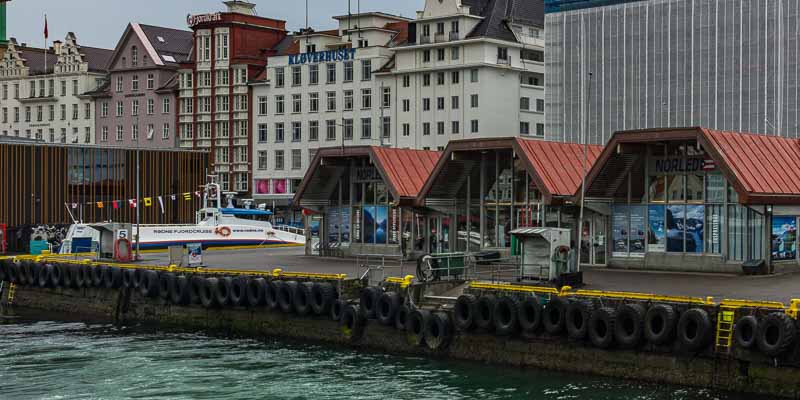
{"x":455,"y":36}
{"x":440,"y":37}
{"x":425,"y":39}
{"x":504,"y":61}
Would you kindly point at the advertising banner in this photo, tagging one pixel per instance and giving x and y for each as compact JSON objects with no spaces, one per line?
{"x":638,"y":230}
{"x":784,"y":238}
{"x":656,"y":234}
{"x":695,"y":228}
{"x":195,"y":253}
{"x":620,"y":225}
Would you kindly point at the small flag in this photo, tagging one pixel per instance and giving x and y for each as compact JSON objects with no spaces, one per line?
{"x":709,"y":165}
{"x":161,"y":203}
{"x":148,"y":201}
{"x":132,"y":203}
{"x":115,"y":204}
{"x":187,"y":196}
{"x":99,"y":204}
{"x":197,"y":194}
{"x":172,"y":196}
{"x":74,"y":205}
{"x":45,"y":27}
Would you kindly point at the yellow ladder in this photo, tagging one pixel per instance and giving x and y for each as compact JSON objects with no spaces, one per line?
{"x":725,"y":324}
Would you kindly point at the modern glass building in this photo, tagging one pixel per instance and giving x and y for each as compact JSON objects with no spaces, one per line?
{"x":721,"y":64}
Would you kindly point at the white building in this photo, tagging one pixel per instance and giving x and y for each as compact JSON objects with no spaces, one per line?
{"x":462,"y":69}
{"x":45,"y":97}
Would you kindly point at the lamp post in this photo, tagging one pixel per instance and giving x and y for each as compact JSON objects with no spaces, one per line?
{"x":585,"y":140}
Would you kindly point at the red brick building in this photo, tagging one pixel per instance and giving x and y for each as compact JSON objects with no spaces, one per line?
{"x":214,"y":110}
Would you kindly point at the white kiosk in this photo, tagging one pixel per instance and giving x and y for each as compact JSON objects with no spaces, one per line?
{"x":544,"y":252}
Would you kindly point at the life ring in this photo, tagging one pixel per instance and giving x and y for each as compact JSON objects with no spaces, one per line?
{"x":223,"y":231}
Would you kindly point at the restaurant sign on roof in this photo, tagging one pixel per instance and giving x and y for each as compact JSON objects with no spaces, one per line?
{"x":193,"y":20}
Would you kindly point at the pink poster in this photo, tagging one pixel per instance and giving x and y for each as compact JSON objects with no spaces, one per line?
{"x":262,"y":186}
{"x":279,"y":186}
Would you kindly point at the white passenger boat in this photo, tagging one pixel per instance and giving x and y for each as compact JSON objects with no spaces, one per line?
{"x":216,"y":227}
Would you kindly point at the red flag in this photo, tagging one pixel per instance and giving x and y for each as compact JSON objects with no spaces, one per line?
{"x":45,"y":26}
{"x":116,"y":204}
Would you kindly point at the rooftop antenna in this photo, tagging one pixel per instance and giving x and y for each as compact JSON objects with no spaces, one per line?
{"x":349,"y":22}
{"x":359,"y":16}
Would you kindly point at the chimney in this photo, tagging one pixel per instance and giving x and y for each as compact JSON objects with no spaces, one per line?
{"x":57,"y":47}
{"x":241,"y":7}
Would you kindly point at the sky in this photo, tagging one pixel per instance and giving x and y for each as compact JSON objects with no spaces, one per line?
{"x":100,"y":23}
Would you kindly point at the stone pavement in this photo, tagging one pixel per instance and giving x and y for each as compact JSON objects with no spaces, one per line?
{"x":780,"y":287}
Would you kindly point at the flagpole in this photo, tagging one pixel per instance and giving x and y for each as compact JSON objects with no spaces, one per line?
{"x":45,"y":43}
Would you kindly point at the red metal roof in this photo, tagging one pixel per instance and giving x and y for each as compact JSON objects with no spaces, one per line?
{"x":559,"y":166}
{"x":763,"y":165}
{"x":405,"y":170}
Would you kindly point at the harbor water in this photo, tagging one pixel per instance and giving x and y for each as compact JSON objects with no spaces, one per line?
{"x":69,"y":360}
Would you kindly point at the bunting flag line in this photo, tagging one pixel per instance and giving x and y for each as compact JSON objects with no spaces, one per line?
{"x":173,"y":197}
{"x":115,"y":204}
{"x":132,"y":203}
{"x":148,"y":201}
{"x":197,"y":194}
{"x":74,"y":205}
{"x":187,"y":196}
{"x":100,"y":204}
{"x":161,"y":203}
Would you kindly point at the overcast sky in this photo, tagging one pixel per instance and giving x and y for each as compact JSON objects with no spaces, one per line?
{"x":100,"y":23}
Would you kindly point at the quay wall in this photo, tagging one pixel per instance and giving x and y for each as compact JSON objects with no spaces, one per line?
{"x":744,"y":372}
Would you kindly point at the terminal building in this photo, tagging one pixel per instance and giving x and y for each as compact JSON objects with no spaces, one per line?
{"x":462,"y":69}
{"x":727,"y":65}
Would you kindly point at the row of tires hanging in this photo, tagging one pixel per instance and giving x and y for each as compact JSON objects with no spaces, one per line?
{"x":303,"y":298}
{"x":627,"y":325}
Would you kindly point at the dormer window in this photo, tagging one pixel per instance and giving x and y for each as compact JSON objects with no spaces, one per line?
{"x":311,"y":48}
{"x":134,"y":56}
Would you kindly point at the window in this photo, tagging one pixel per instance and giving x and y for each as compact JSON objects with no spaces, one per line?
{"x":331,"y":73}
{"x":426,"y":104}
{"x":539,"y":129}
{"x":455,"y":128}
{"x":313,"y":74}
{"x":440,"y":78}
{"x":75,"y":111}
{"x":165,"y":105}
{"x":440,"y":54}
{"x":455,"y":53}
{"x":330,"y":128}
{"x":120,"y":111}
{"x":406,"y":105}
{"x":297,"y":131}
{"x":440,"y":128}
{"x":52,"y":133}
{"x":134,"y":56}
{"x":103,"y":109}
{"x":150,"y":81}
{"x":366,"y":70}
{"x":363,"y":43}
{"x":263,"y":134}
{"x":279,"y":132}
{"x":204,"y":104}
{"x":27,"y":114}
{"x":5,"y":91}
{"x":348,"y":100}
{"x":366,"y":99}
{"x":262,"y":105}
{"x":313,"y":102}
{"x":426,"y":56}
{"x":240,"y":102}
{"x":348,"y":71}
{"x":222,"y":46}
{"x":87,"y":111}
{"x":16,"y":90}
{"x":16,"y":113}
{"x":262,"y":160}
{"x":188,"y":106}
{"x":426,"y":30}
{"x":455,"y":77}
{"x":33,"y":89}
{"x":279,"y":160}
{"x":135,"y":132}
{"x":5,"y":115}
{"x":165,"y":131}
{"x":440,"y":28}
{"x":135,"y":83}
{"x":454,"y":103}
{"x":524,"y":103}
{"x":386,"y":127}
{"x":297,"y":161}
{"x":297,"y":103}
{"x":41,"y":88}
{"x":473,"y":75}
{"x":297,"y":76}
{"x":51,"y":87}
{"x":348,"y":129}
{"x":540,"y":105}
{"x":222,"y":77}
{"x":39,"y":113}
{"x":151,"y":107}
{"x":406,"y":81}
{"x":474,"y":125}
{"x":103,"y":134}
{"x":74,"y":87}
{"x":134,"y":107}
{"x":426,"y":79}
{"x":440,"y":103}
{"x":120,"y":133}
{"x":524,"y":128}
{"x":366,"y":128}
{"x":426,"y":128}
{"x":279,"y":104}
{"x":280,"y":79}
{"x":331,"y":101}
{"x":473,"y":100}
{"x":150,"y":131}
{"x":313,"y":131}
{"x":502,"y":53}
{"x":406,"y":130}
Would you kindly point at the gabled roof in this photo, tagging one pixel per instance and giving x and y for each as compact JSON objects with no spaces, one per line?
{"x":176,"y":43}
{"x":762,"y":169}
{"x":498,"y":13}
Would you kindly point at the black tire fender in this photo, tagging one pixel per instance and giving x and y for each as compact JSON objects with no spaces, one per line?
{"x":223,"y":291}
{"x":368,"y":301}
{"x":416,"y":322}
{"x":530,"y":315}
{"x":12,"y":272}
{"x":208,"y":292}
{"x":629,"y":325}
{"x":286,"y":291}
{"x":506,"y":313}
{"x":128,"y":275}
{"x":484,"y":317}
{"x":555,"y":315}
{"x":196,"y":287}
{"x":80,"y":280}
{"x":323,"y":296}
{"x":601,"y":327}
{"x":352,"y":323}
{"x":337,"y":308}
{"x":113,"y":278}
{"x":438,"y":331}
{"x":464,"y":312}
{"x":387,"y":307}
{"x":577,"y":319}
{"x":180,"y":291}
{"x":745,"y":332}
{"x":164,"y":285}
{"x":149,"y":284}
{"x":303,"y":298}
{"x":57,"y":276}
{"x":271,"y":292}
{"x":44,"y":275}
{"x":660,"y":321}
{"x":256,"y":291}
{"x":97,"y":275}
{"x":776,"y":334}
{"x":694,"y":329}
{"x":400,"y":317}
{"x":137,"y":277}
{"x":238,"y":295}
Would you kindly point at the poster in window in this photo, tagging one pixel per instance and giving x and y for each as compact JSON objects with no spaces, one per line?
{"x":394,"y":223}
{"x":262,"y":186}
{"x":369,"y":224}
{"x":356,"y":226}
{"x":784,"y":238}
{"x":334,"y":222}
{"x":344,"y":228}
{"x":620,"y":231}
{"x":675,"y":228}
{"x":638,"y":229}
{"x":656,"y":232}
{"x":381,"y":224}
{"x":695,"y":228}
{"x":279,"y":186}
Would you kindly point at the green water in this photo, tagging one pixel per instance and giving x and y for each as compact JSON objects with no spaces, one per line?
{"x":58,"y":360}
